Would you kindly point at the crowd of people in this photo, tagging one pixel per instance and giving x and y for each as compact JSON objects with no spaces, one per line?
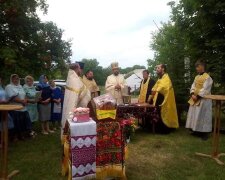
{"x":41,"y":102}
{"x":44,"y":102}
{"x":159,"y":93}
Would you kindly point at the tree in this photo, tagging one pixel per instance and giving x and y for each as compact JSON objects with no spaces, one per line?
{"x":169,"y":49}
{"x":129,"y":69}
{"x":196,"y":30}
{"x":93,"y":65}
{"x":27,"y":45}
{"x":203,"y":28}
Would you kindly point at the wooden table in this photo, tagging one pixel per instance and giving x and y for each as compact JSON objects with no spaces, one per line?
{"x":216,"y":132}
{"x":4,"y":141}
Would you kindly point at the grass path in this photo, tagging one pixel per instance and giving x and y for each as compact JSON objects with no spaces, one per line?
{"x":158,"y":157}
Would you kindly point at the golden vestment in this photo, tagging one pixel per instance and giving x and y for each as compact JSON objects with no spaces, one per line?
{"x":110,"y":84}
{"x":91,"y":85}
{"x":168,"y":107}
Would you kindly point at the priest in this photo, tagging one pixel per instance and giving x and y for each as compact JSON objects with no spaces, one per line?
{"x":90,"y":83}
{"x":164,"y":99}
{"x":115,"y":83}
{"x":76,"y":93}
{"x":146,"y":88}
{"x":199,"y":118}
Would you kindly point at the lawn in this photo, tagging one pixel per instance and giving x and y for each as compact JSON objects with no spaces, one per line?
{"x":150,"y":157}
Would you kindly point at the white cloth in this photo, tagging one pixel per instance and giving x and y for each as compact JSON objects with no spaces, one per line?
{"x":83,"y":149}
{"x":110,"y":84}
{"x":82,"y":129}
{"x":199,"y":118}
{"x":76,"y":95}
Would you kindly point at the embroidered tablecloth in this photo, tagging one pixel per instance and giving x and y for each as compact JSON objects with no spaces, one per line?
{"x":83,"y":149}
{"x":110,"y":158}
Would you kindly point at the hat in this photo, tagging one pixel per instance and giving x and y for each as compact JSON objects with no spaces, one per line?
{"x":115,"y":65}
{"x":81,"y":64}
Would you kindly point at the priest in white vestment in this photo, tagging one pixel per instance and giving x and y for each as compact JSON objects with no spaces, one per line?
{"x":115,"y":84}
{"x":199,"y":118}
{"x":76,"y":93}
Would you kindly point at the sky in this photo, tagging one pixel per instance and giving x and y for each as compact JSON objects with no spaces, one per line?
{"x":109,"y":30}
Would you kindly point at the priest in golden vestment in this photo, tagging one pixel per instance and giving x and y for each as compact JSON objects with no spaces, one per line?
{"x":146,"y":88}
{"x":90,"y":83}
{"x":116,"y":84}
{"x":199,"y":118}
{"x":164,"y":98}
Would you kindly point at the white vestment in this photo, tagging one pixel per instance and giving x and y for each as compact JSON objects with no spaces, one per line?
{"x":110,"y":84}
{"x":199,"y":117}
{"x":76,"y":95}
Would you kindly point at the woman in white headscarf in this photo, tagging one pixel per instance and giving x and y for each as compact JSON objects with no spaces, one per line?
{"x":21,"y":118}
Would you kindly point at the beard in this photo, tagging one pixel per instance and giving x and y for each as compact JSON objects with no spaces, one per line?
{"x":159,"y":73}
{"x":90,"y":78}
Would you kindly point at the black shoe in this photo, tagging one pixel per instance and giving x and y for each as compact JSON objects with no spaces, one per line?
{"x":205,"y":136}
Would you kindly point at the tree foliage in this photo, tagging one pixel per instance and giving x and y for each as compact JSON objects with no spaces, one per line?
{"x":196,"y":30}
{"x":27,"y":45}
{"x":100,"y":73}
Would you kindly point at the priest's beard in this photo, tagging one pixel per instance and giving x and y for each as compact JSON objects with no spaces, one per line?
{"x":116,"y":73}
{"x":90,"y":78}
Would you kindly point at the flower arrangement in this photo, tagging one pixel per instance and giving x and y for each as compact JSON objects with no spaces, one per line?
{"x":129,"y":126}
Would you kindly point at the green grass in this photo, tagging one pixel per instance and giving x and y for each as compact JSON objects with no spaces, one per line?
{"x":37,"y":159}
{"x":171,"y":157}
{"x":159,"y":157}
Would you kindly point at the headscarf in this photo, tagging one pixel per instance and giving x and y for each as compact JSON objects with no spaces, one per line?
{"x":11,"y":77}
{"x":41,"y":83}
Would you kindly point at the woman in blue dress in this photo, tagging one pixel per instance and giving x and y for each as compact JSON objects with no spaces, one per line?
{"x":56,"y":109}
{"x":44,"y":105}
{"x":31,"y":92}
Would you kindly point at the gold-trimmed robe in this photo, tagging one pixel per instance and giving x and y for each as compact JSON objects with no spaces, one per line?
{"x":110,"y":84}
{"x":168,"y":107}
{"x":91,"y":85}
{"x":199,"y":117}
{"x":76,"y":95}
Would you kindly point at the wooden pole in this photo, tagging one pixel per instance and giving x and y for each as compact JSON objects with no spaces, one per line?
{"x":4,"y":172}
{"x":1,"y":155}
{"x":218,"y":126}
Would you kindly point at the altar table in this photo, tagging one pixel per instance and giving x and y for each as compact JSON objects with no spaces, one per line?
{"x":80,"y":150}
{"x":144,"y":111}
